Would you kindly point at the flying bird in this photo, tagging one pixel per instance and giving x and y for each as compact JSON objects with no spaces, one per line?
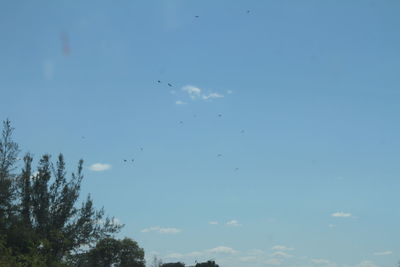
{"x":180,"y":122}
{"x":196,"y":16}
{"x":125,"y":160}
{"x":236,"y":169}
{"x":220,"y":115}
{"x":248,"y":11}
{"x":159,"y":81}
{"x":141,"y":149}
{"x":170,"y":85}
{"x":242,"y":131}
{"x":219,"y":155}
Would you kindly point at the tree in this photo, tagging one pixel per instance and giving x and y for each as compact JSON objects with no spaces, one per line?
{"x":173,"y":264}
{"x":112,"y":252}
{"x":8,"y":157}
{"x":207,"y":264}
{"x":40,"y":223}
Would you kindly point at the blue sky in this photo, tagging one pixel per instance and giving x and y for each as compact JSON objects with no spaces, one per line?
{"x":299,"y":98}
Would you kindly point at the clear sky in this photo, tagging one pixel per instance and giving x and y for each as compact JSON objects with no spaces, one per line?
{"x":277,"y":143}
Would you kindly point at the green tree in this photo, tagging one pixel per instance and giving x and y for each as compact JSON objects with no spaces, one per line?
{"x":173,"y":264}
{"x":40,"y":223}
{"x":112,"y":252}
{"x":8,"y":158}
{"x":207,"y":264}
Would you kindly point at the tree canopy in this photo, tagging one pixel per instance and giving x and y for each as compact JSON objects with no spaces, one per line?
{"x":41,"y":223}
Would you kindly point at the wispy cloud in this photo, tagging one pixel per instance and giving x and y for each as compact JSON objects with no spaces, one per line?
{"x":99,"y":167}
{"x":229,"y":92}
{"x":193,"y":91}
{"x":367,"y":263}
{"x":213,"y":222}
{"x":233,"y":223}
{"x":281,"y":254}
{"x":273,"y":262}
{"x":161,"y":230}
{"x":175,"y":256}
{"x":280,"y":247}
{"x":341,"y":214}
{"x":211,"y":96}
{"x":383,"y":253}
{"x":207,"y":253}
{"x":222,"y":250}
{"x":179,"y":102}
{"x":323,"y":262}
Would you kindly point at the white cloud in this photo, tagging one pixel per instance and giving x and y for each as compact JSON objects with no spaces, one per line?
{"x":233,"y":223}
{"x":341,"y":214}
{"x":331,"y":225}
{"x":323,"y":262}
{"x":320,"y":261}
{"x":280,"y":247}
{"x":161,"y":230}
{"x":211,"y":96}
{"x":222,"y":250}
{"x":273,"y":262}
{"x":248,"y":259}
{"x":194,"y":254}
{"x":367,"y":264}
{"x":213,"y":222}
{"x":175,"y":256}
{"x":383,"y":253}
{"x":193,"y":91}
{"x":99,"y":167}
{"x":281,"y":254}
{"x":179,"y":102}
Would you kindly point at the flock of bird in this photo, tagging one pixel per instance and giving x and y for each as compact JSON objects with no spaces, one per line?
{"x":219,"y":155}
{"x":66,"y":51}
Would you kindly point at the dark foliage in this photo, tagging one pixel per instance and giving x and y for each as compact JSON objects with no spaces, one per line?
{"x":207,"y":264}
{"x":40,"y":223}
{"x":173,"y":264}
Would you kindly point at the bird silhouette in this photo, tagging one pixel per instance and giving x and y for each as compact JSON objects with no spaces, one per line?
{"x":170,"y":85}
{"x":236,"y":169}
{"x":125,"y":160}
{"x":220,"y":115}
{"x":141,"y":149}
{"x":248,"y":11}
{"x":219,"y":155}
{"x":159,"y":81}
{"x":242,"y":131}
{"x":196,"y":16}
{"x":180,"y":122}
